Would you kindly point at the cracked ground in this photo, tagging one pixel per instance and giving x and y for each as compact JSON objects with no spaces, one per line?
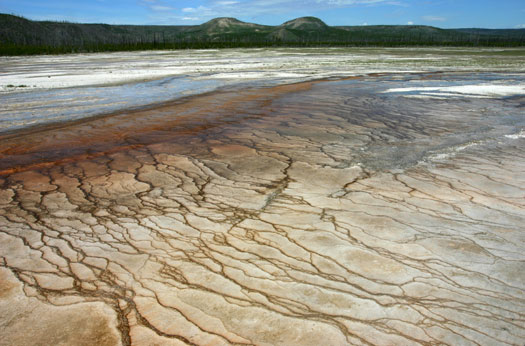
{"x":317,"y":213}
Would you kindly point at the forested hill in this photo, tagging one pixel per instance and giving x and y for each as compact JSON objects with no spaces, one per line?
{"x":22,"y":36}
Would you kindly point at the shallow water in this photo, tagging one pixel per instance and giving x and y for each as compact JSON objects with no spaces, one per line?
{"x":328,"y":212}
{"x":21,"y":110}
{"x":45,"y":89}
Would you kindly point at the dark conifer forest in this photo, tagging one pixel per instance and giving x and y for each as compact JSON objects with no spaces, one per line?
{"x":20,"y":36}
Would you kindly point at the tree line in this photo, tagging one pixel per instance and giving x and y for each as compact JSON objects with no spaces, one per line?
{"x":19,"y":36}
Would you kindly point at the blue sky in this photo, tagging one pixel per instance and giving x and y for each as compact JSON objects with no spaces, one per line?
{"x":440,"y":13}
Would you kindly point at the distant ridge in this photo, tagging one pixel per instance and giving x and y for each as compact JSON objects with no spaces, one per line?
{"x":225,"y":24}
{"x":305,"y":23}
{"x":22,"y":36}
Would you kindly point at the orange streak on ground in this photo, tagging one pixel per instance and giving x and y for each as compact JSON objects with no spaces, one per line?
{"x":56,"y":144}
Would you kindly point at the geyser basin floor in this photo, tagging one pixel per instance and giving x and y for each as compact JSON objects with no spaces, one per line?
{"x":309,"y":214}
{"x":44,"y":89}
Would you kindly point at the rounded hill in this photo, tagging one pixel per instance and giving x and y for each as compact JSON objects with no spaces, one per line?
{"x":305,"y":23}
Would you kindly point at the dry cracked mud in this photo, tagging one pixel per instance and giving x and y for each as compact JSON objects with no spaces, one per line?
{"x":318,"y":213}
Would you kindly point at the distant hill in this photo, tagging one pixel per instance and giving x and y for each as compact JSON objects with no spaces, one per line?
{"x":305,"y":23}
{"x":22,"y":36}
{"x":228,"y":25}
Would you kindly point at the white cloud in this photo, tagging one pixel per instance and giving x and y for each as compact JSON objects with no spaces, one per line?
{"x":410,"y":23}
{"x":157,"y":5}
{"x":434,"y":18}
{"x":200,"y":9}
{"x":226,"y":3}
{"x":257,"y":8}
{"x":161,"y":8}
{"x":355,"y":2}
{"x":520,"y":26}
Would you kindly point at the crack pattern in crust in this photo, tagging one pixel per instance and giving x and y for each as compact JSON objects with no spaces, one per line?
{"x":301,"y":215}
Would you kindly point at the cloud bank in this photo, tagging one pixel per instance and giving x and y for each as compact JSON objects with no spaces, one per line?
{"x":251,"y":8}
